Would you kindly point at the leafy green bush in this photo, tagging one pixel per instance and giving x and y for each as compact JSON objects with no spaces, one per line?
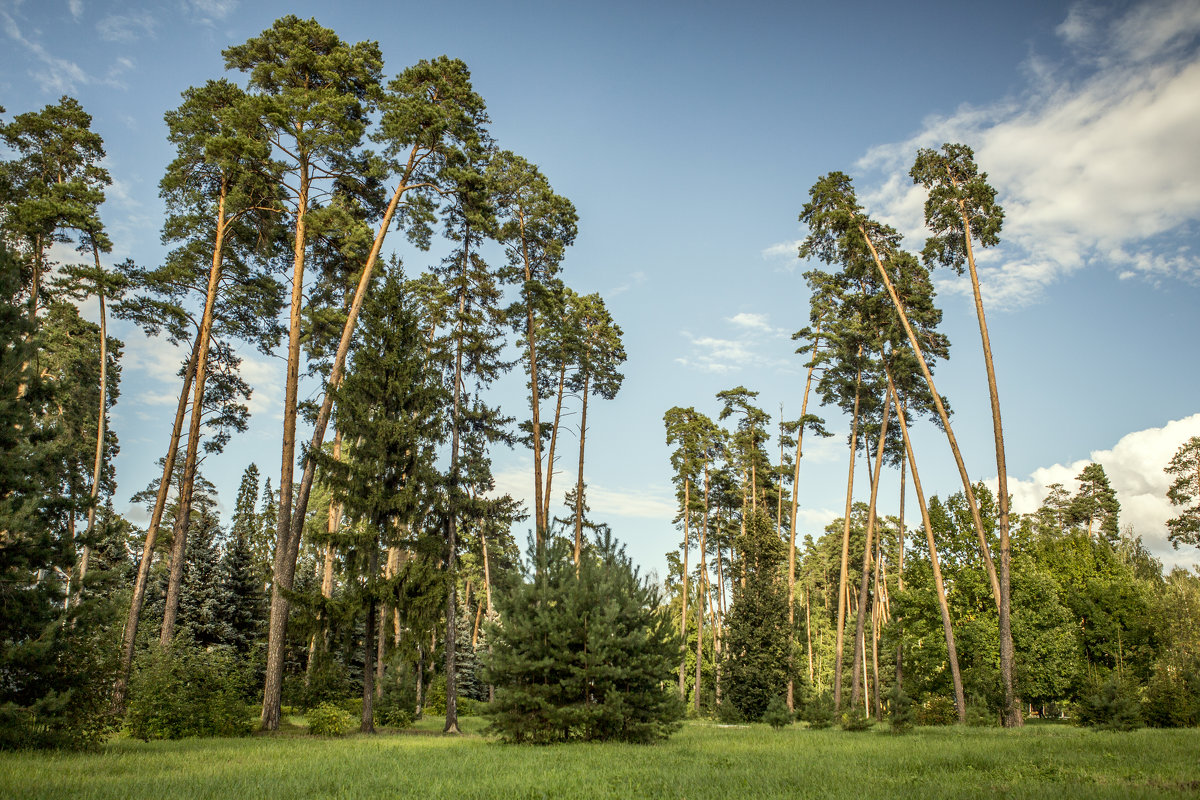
{"x":585,"y":652}
{"x":183,"y":691}
{"x":328,"y":719}
{"x":1111,"y":706}
{"x":856,"y":720}
{"x":1172,"y":699}
{"x":980,"y":714}
{"x":729,"y":714}
{"x":937,"y":710}
{"x":327,"y":681}
{"x":777,"y":714}
{"x":818,"y":711}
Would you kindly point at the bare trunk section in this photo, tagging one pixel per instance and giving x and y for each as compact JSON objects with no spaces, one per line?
{"x":579,"y":479}
{"x":968,"y":489}
{"x":683,"y":613}
{"x":129,"y":640}
{"x":1012,"y":703}
{"x":332,"y":525}
{"x":101,"y":419}
{"x":792,"y":549}
{"x":287,"y":543}
{"x":183,"y":516}
{"x":562,"y":374}
{"x":369,"y":651}
{"x":863,"y":588}
{"x":534,"y":400}
{"x":700,"y":604}
{"x":845,"y":564}
{"x":938,"y":583}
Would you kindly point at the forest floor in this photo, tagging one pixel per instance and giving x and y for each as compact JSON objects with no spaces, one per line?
{"x":701,"y":761}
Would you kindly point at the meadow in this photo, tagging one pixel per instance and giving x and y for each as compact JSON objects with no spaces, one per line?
{"x":701,"y":761}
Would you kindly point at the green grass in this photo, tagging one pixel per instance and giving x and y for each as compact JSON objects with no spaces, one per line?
{"x":701,"y":761}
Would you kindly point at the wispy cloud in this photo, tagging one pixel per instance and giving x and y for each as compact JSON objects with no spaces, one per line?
{"x":752,"y":334}
{"x":127,"y":28}
{"x":1095,"y":161}
{"x":634,"y":280}
{"x":210,"y":11}
{"x":1134,"y":466}
{"x":782,"y":250}
{"x":76,"y":9}
{"x":60,"y":75}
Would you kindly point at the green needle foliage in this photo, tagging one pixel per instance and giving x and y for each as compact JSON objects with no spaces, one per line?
{"x":584,"y":652}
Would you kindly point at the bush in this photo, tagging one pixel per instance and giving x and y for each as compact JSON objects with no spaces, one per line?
{"x":856,"y":720}
{"x":937,"y":711}
{"x":729,"y":714}
{"x":328,"y":719}
{"x":901,"y":713}
{"x":818,"y":712}
{"x":183,"y":691}
{"x":328,"y":681}
{"x":777,"y":714}
{"x":1111,"y":706}
{"x":1172,"y":699}
{"x":980,"y":714}
{"x":584,"y":652}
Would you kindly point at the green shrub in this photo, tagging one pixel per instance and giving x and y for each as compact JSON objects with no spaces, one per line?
{"x":1172,"y":699}
{"x":328,"y":719}
{"x":856,"y":720}
{"x":777,"y":714}
{"x":729,"y":714}
{"x":900,"y":713}
{"x":585,"y":652}
{"x":980,"y":715}
{"x":937,"y":711}
{"x":328,"y":681}
{"x":818,"y":711}
{"x":183,"y":691}
{"x":1111,"y":706}
{"x":395,"y":718}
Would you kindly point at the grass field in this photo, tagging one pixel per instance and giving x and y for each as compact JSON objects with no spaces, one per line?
{"x":702,"y":761}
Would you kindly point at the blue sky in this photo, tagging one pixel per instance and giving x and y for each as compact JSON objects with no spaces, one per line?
{"x":687,"y":135}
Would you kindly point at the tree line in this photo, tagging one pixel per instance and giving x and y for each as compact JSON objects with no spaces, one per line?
{"x":373,"y":561}
{"x":979,"y":610}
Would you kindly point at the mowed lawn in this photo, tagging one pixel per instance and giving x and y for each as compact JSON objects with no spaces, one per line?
{"x":702,"y":761}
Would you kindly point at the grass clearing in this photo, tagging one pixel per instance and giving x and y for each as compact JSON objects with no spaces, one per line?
{"x":702,"y":761}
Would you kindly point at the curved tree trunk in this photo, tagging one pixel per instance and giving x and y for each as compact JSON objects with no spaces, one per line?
{"x":939,"y":585}
{"x":863,"y":588}
{"x":845,"y":564}
{"x":562,"y":374}
{"x":968,"y":488}
{"x":1012,"y":704}
{"x":100,"y":425}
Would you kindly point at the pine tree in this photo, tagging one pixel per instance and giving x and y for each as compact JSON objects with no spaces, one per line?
{"x":757,"y":641}
{"x":1096,"y":504}
{"x":1185,"y":493}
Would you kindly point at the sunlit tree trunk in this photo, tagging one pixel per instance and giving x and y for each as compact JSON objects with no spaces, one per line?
{"x":863,"y":587}
{"x":845,"y":563}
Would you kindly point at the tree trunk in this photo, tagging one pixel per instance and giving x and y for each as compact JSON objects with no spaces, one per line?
{"x":534,"y":401}
{"x":287,"y":547}
{"x":183,"y":516}
{"x":968,"y":489}
{"x":129,"y":639}
{"x":334,"y":522}
{"x":795,"y":508}
{"x":700,"y":604}
{"x":683,"y":611}
{"x":845,"y":568}
{"x":579,"y":480}
{"x":900,"y":577}
{"x":1012,"y":704}
{"x":369,"y":647}
{"x":939,"y":585}
{"x":101,"y":419}
{"x":863,"y":588}
{"x":562,"y":374}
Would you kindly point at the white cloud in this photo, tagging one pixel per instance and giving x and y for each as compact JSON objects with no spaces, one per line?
{"x":752,"y":321}
{"x":725,"y":355}
{"x":127,"y":28}
{"x":783,"y":249}
{"x":622,"y":502}
{"x":634,"y":280}
{"x":209,"y":11}
{"x":1134,"y":466}
{"x":1091,"y":170}
{"x":76,"y":9}
{"x":265,"y":376}
{"x":58,"y":74}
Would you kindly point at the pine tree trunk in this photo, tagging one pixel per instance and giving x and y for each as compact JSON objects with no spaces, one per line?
{"x":129,"y":639}
{"x":1012,"y":703}
{"x":369,"y":648}
{"x":683,"y":612}
{"x":845,"y":564}
{"x":860,"y":630}
{"x":562,"y":374}
{"x":579,"y":479}
{"x":331,"y":527}
{"x":792,"y":549}
{"x":700,"y":599}
{"x":101,"y":419}
{"x":183,"y":516}
{"x":938,"y":583}
{"x":289,"y":530}
{"x":534,"y":400}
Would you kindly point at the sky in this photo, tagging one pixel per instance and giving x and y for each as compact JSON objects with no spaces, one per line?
{"x":687,"y":135}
